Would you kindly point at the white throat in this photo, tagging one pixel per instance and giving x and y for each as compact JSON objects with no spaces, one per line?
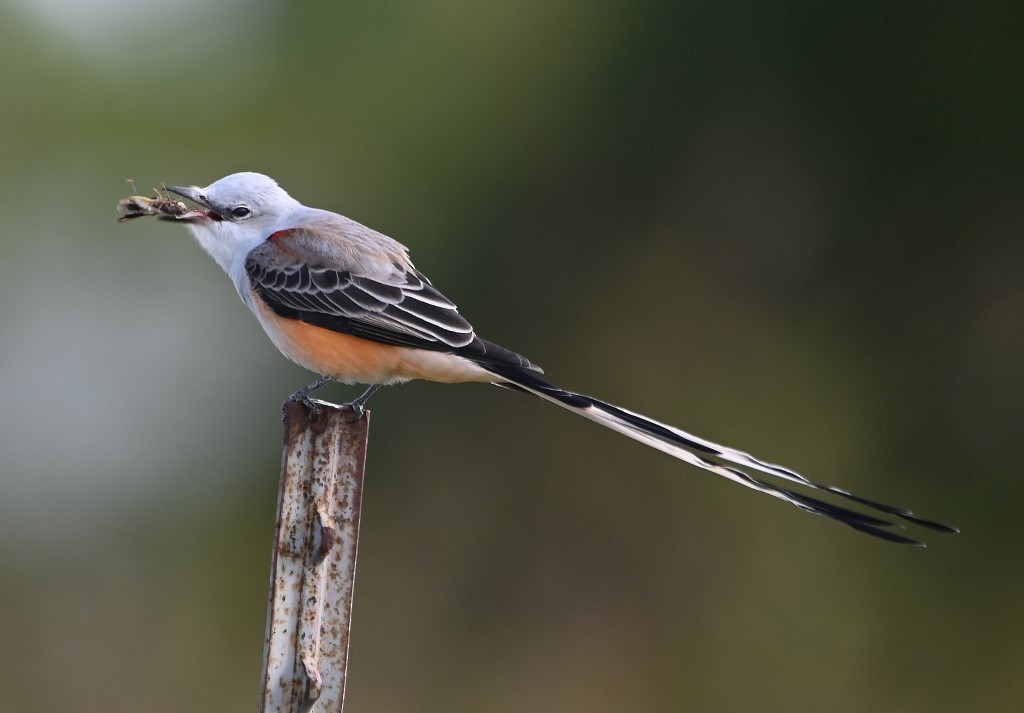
{"x":227,"y":243}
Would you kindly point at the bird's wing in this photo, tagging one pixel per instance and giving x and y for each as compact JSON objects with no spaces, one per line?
{"x":363,"y":283}
{"x":372,"y":293}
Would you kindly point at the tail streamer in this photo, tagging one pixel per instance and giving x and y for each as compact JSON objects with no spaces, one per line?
{"x":722,"y":460}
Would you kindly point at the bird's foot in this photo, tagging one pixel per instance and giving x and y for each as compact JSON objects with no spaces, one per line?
{"x":303,"y":396}
{"x":358,"y":405}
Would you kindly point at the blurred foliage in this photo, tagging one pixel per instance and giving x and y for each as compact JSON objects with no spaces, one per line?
{"x":792,"y":227}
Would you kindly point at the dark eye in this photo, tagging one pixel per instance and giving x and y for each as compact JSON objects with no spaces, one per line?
{"x":241,"y":212}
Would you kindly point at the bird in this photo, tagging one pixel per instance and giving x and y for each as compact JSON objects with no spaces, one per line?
{"x":346,"y":302}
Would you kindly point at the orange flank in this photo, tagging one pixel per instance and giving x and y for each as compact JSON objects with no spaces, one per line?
{"x":332,"y":353}
{"x":352,"y":359}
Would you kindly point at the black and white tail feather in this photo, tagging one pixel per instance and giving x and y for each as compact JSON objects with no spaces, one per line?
{"x":705,"y":454}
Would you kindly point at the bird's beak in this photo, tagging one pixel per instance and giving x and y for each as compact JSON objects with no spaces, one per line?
{"x":194,"y":194}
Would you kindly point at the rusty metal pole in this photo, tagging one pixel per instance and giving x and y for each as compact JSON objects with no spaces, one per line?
{"x":314,"y":562}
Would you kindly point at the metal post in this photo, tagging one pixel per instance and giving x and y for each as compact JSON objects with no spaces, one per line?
{"x":314,"y":561}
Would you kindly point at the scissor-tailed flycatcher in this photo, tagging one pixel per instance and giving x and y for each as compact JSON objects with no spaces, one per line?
{"x":346,"y":302}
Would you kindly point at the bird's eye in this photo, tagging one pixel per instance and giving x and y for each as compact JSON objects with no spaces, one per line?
{"x":241,"y":212}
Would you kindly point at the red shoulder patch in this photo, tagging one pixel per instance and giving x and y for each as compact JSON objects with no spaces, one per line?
{"x":280,"y":239}
{"x":283,"y":233}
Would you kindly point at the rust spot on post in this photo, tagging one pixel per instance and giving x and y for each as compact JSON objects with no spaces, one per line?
{"x":314,"y":560}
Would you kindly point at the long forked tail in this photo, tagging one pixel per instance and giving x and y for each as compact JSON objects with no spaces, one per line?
{"x":720,"y":460}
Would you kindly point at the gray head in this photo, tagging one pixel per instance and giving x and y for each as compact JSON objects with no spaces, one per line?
{"x":237,"y":198}
{"x":238,"y":213}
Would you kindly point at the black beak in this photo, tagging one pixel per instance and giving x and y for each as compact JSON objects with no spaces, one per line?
{"x":191,"y":192}
{"x":194,"y":194}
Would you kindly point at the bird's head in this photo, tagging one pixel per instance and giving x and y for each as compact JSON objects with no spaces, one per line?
{"x":235,"y":214}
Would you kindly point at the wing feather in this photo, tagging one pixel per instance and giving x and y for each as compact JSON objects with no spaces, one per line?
{"x":402,"y":308}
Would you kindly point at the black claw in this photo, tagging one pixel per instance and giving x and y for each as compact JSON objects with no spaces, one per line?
{"x":357,"y":409}
{"x":314,"y":410}
{"x":303,"y":396}
{"x":358,"y":405}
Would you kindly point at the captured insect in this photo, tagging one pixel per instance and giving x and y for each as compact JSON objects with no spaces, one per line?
{"x":158,"y":204}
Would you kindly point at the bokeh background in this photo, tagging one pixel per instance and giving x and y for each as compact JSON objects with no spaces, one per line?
{"x":792,"y":227}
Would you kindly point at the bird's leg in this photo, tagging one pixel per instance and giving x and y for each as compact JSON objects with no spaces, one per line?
{"x":303,"y":396}
{"x":358,"y":404}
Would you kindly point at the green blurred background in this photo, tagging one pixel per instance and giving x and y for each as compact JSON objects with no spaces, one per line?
{"x":791,"y":227}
